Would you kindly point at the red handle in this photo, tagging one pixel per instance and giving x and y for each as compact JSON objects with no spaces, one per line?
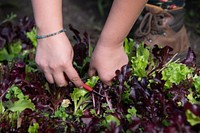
{"x":87,"y":87}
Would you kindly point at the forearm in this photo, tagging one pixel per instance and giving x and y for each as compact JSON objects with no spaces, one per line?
{"x":122,"y":16}
{"x":48,"y":15}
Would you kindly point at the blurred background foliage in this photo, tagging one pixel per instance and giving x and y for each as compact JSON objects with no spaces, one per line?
{"x":101,"y":9}
{"x":193,"y":15}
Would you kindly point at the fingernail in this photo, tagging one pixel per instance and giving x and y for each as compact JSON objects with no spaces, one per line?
{"x":75,"y":79}
{"x":65,"y":85}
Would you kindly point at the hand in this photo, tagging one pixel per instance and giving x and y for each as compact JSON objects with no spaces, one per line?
{"x":54,"y":56}
{"x":106,"y":60}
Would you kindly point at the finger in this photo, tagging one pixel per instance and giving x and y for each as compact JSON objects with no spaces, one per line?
{"x":109,"y":83}
{"x":107,"y":80}
{"x":73,"y":76}
{"x":91,"y":71}
{"x":49,"y":77}
{"x":59,"y":78}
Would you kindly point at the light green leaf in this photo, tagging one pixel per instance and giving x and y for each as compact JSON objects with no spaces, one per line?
{"x":196,"y":82}
{"x":140,"y":61}
{"x":129,"y":46}
{"x":77,"y":93}
{"x":131,"y":112}
{"x":32,"y":36}
{"x":2,"y":109}
{"x":78,"y":97}
{"x":21,"y":105}
{"x":33,"y":128}
{"x":92,"y":81}
{"x":15,"y":48}
{"x":192,"y":118}
{"x":15,"y":92}
{"x":5,"y":56}
{"x":111,"y":118}
{"x":175,"y":73}
{"x":60,"y":113}
{"x":191,"y":98}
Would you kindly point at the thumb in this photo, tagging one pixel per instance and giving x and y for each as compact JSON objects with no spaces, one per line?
{"x":73,"y":76}
{"x":91,"y":71}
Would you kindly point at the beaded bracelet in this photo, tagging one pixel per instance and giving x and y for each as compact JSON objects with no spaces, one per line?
{"x":49,"y":35}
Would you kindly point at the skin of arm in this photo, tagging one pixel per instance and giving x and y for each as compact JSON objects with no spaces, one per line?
{"x":109,"y":54}
{"x":54,"y":55}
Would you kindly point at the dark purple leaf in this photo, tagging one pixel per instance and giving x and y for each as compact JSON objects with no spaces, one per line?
{"x":190,"y":58}
{"x":2,"y":42}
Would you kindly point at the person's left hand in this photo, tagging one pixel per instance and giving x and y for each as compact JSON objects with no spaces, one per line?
{"x":106,"y":60}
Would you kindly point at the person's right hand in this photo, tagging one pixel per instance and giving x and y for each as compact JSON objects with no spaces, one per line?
{"x":54,"y":56}
{"x":106,"y":59}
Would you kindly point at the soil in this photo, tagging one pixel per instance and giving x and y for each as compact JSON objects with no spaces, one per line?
{"x":84,"y":16}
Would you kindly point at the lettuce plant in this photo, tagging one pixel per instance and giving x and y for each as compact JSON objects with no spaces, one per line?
{"x":152,"y":93}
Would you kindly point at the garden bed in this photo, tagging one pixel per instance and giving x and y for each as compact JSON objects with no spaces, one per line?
{"x":152,"y":93}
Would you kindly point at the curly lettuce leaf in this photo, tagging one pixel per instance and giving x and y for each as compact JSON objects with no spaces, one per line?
{"x":175,"y":73}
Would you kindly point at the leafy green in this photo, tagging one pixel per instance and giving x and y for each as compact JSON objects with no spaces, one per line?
{"x":192,"y":118}
{"x":129,"y":47}
{"x":92,"y":81}
{"x":196,"y":83}
{"x":131,"y":112}
{"x":111,"y":118}
{"x":79,"y":96}
{"x":140,"y":61}
{"x":61,"y":113}
{"x":15,"y":48}
{"x":9,"y":17}
{"x":4,"y":55}
{"x":2,"y":109}
{"x":32,"y":36}
{"x":13,"y":116}
{"x":139,"y":99}
{"x":165,"y":122}
{"x":13,"y":51}
{"x":191,"y":98}
{"x":19,"y":105}
{"x":126,"y":97}
{"x":15,"y":92}
{"x":175,"y":73}
{"x":33,"y":128}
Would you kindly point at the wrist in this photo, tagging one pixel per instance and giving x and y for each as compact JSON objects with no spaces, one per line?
{"x":47,"y":30}
{"x":51,"y":34}
{"x":110,"y":42}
